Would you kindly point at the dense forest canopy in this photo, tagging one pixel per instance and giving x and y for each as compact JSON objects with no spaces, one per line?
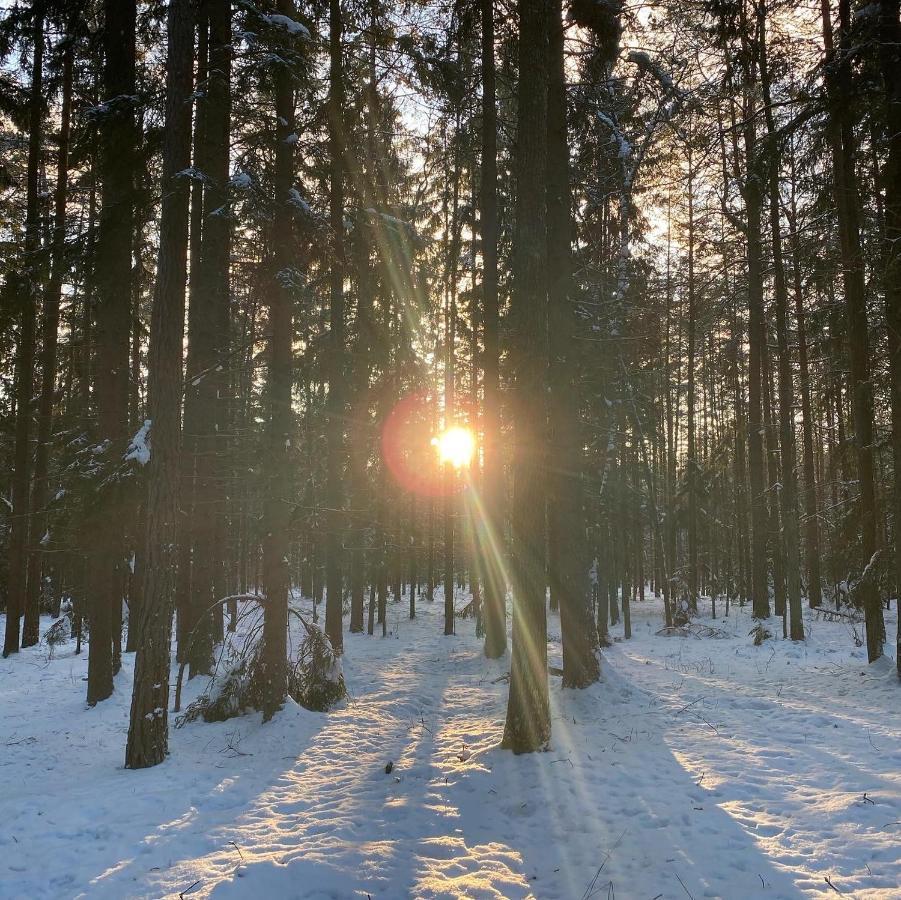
{"x":563,"y":302}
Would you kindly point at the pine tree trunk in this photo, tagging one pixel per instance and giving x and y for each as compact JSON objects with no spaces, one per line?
{"x":838,"y":82}
{"x":334,"y":495}
{"x":669,"y":550}
{"x":495,"y":588}
{"x":450,"y":331}
{"x":570,"y":565}
{"x":185,"y":607}
{"x":752,"y":190}
{"x":430,"y":561}
{"x":280,"y":430}
{"x":206,"y":414}
{"x":414,"y":541}
{"x":603,"y":587}
{"x":112,"y":367}
{"x":49,"y":334}
{"x":691,"y":462}
{"x":788,"y":495}
{"x":528,"y":726}
{"x":18,"y":598}
{"x":475,"y":543}
{"x":811,"y":524}
{"x":890,"y":59}
{"x":771,"y":451}
{"x":626,"y":513}
{"x":148,"y":723}
{"x":359,"y":447}
{"x":369,"y":198}
{"x":381,"y":566}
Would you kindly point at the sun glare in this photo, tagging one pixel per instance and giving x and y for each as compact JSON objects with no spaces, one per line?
{"x":455,"y":446}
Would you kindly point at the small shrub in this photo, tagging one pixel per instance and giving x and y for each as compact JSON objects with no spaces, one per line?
{"x":681,"y":612}
{"x":238,"y":689}
{"x":57,"y":634}
{"x":761,"y":633}
{"x":316,"y":680}
{"x":231,"y":692}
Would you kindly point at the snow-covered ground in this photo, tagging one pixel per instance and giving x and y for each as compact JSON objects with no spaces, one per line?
{"x":697,"y":768}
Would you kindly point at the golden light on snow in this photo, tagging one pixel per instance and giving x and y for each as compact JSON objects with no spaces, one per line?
{"x":456,"y":446}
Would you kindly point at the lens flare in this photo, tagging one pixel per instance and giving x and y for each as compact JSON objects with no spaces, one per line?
{"x":455,"y":446}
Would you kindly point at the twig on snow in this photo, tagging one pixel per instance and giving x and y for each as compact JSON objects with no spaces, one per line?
{"x":687,"y":891}
{"x":590,"y":890}
{"x":688,"y":705}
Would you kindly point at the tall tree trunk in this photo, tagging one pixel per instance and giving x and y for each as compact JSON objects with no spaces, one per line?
{"x":19,"y":598}
{"x":114,"y":280}
{"x":414,"y":545}
{"x":528,"y":725}
{"x":452,"y":232}
{"x":774,"y":478}
{"x":276,"y":513}
{"x":691,"y":462}
{"x":753,"y":199}
{"x":430,"y":560}
{"x":184,"y":600}
{"x":670,"y":537}
{"x":49,"y":333}
{"x":495,"y":588}
{"x":334,"y":495}
{"x":788,"y":495}
{"x":450,"y":331}
{"x":86,"y":330}
{"x":206,"y":417}
{"x":476,"y":543}
{"x":570,"y":568}
{"x":359,"y":447}
{"x":841,"y":133}
{"x":369,"y":198}
{"x":625,"y":514}
{"x":890,"y":59}
{"x":148,"y":729}
{"x":811,"y":523}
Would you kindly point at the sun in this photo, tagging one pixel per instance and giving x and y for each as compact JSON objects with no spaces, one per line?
{"x":456,"y":446}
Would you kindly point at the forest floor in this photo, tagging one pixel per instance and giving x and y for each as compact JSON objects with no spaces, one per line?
{"x":698,"y":767}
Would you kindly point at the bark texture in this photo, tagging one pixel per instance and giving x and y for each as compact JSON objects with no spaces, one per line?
{"x":528,"y":726}
{"x":148,"y":730}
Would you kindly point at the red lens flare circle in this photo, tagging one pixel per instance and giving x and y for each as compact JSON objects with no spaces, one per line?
{"x":409,"y":451}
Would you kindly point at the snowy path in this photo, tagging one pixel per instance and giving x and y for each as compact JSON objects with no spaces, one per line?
{"x":697,"y":768}
{"x":336,"y":817}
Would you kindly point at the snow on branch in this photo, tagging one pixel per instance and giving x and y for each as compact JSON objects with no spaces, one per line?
{"x":294,"y":28}
{"x":139,"y":448}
